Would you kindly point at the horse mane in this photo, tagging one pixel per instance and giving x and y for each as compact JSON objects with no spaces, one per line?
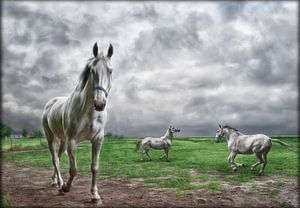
{"x":85,"y":75}
{"x":229,"y":127}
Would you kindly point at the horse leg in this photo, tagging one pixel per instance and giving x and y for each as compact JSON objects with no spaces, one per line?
{"x":143,"y":152}
{"x":54,"y":178}
{"x":238,"y":164}
{"x":142,"y":155}
{"x":50,"y":138}
{"x":164,"y":155}
{"x":231,"y":158}
{"x":96,"y":146}
{"x":55,"y":161}
{"x":147,"y":153}
{"x":73,"y":165}
{"x":167,"y":154}
{"x":264,"y":160}
{"x":259,"y":156}
{"x":61,"y":150}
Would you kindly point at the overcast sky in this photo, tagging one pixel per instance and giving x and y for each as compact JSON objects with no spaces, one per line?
{"x":189,"y":64}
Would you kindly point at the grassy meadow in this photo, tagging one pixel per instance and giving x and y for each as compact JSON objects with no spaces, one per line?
{"x":191,"y":159}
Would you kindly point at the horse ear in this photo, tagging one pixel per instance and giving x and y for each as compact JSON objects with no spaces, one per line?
{"x":220,"y":126}
{"x":110,"y":51}
{"x":95,"y":50}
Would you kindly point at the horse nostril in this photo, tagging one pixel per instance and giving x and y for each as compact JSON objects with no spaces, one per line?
{"x":99,"y":106}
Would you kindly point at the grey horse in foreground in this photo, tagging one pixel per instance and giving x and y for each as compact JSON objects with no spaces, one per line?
{"x":80,"y":116}
{"x":238,"y":143}
{"x":163,"y":142}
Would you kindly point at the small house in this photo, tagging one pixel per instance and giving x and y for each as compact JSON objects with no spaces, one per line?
{"x":16,"y":135}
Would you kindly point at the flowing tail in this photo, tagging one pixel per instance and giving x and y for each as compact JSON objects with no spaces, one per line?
{"x":138,"y":144}
{"x":283,"y":144}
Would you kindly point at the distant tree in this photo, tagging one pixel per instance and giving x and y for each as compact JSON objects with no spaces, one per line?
{"x":37,"y":134}
{"x":24,"y":132}
{"x":120,"y":136}
{"x":5,"y":130}
{"x":108,"y":134}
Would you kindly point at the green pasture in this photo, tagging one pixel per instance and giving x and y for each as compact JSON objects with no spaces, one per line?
{"x":23,"y":144}
{"x":191,"y":159}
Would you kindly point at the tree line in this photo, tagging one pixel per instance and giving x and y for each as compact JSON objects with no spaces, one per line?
{"x":6,"y":131}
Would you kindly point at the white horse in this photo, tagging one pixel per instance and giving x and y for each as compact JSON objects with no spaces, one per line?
{"x":80,"y":116}
{"x":238,"y":143}
{"x":163,"y":142}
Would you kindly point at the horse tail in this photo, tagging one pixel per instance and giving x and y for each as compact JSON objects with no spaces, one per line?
{"x":138,"y":144}
{"x":283,"y":144}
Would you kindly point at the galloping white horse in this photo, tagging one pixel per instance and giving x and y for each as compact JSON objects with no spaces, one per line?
{"x":239,"y":143}
{"x":163,"y":142}
{"x":80,"y":116}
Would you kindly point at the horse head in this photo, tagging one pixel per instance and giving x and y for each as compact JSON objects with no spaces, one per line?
{"x":173,"y":129}
{"x":219,"y":133}
{"x":101,"y":76}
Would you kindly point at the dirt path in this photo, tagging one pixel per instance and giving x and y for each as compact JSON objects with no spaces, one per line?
{"x":30,"y":187}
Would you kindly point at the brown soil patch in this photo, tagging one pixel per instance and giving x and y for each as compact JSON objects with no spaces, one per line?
{"x":30,"y":187}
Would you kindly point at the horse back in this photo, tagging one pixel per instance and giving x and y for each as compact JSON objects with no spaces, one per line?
{"x":248,"y":144}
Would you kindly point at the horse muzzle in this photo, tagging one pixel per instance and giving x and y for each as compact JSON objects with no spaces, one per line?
{"x":99,"y":106}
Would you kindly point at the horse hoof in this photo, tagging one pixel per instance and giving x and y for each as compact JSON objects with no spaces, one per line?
{"x":96,"y":201}
{"x":260,"y":173}
{"x":61,"y":192}
{"x":54,"y":185}
{"x":65,"y":188}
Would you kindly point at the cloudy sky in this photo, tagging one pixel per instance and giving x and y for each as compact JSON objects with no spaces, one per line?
{"x":189,"y":64}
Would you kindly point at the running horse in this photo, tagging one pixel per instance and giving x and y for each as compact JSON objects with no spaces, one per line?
{"x":80,"y":116}
{"x":239,"y":143}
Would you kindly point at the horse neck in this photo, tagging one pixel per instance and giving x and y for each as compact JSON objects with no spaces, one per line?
{"x":231,"y":135}
{"x":84,"y":93}
{"x":169,"y":135}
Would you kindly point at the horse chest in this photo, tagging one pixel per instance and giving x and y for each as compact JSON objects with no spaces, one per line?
{"x":86,"y":127}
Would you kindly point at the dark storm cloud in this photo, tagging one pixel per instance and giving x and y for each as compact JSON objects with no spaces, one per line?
{"x":146,"y":12}
{"x":44,"y":28}
{"x":261,"y":66}
{"x":229,"y":64}
{"x":27,"y":78}
{"x":231,"y":10}
{"x":174,"y":36}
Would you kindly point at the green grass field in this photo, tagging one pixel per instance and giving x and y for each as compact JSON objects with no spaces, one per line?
{"x":23,"y":144}
{"x":203,"y":156}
